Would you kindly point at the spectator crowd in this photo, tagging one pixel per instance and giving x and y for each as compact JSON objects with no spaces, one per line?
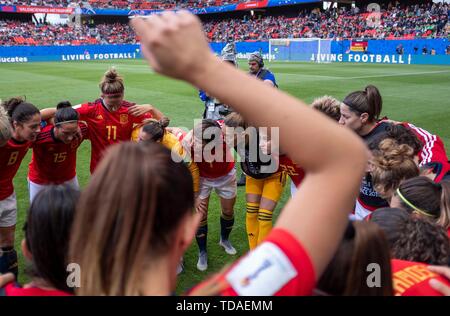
{"x":394,"y":21}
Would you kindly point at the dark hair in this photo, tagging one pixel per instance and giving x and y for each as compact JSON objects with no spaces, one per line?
{"x":363,"y":243}
{"x":65,"y":115}
{"x":413,"y":238}
{"x":19,"y":111}
{"x":117,"y":228}
{"x":207,"y":130}
{"x":63,"y":104}
{"x":47,"y":232}
{"x":156,"y":129}
{"x":112,"y":83}
{"x":428,"y":196}
{"x":401,"y":135}
{"x":368,"y":101}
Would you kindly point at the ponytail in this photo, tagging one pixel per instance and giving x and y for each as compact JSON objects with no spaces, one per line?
{"x":18,"y":110}
{"x":375,"y":102}
{"x":368,"y":101}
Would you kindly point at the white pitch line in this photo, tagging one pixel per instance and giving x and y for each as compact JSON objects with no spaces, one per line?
{"x":398,"y":74}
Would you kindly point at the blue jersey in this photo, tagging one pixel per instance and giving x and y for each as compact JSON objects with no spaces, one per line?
{"x":265,"y":74}
{"x":202,"y":95}
{"x":269,"y":76}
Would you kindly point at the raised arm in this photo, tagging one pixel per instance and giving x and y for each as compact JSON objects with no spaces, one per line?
{"x":48,"y":113}
{"x":141,"y":109}
{"x":333,"y":157}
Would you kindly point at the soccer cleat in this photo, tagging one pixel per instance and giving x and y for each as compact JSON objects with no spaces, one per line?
{"x":229,"y":249}
{"x":202,"y":263}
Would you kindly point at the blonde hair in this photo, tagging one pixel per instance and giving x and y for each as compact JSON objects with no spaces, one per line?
{"x":112,"y":83}
{"x":329,"y":106}
{"x":5,"y":125}
{"x":392,"y":163}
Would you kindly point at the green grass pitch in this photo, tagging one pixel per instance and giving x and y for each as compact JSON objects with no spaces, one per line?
{"x":419,"y":94}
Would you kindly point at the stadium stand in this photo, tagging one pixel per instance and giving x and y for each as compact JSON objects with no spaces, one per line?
{"x":133,"y":4}
{"x":406,"y":22}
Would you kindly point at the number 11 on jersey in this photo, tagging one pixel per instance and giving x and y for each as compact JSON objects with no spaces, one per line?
{"x":112,"y":132}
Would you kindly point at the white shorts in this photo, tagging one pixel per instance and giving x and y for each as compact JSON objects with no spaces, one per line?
{"x":8,"y":211}
{"x":225,"y":186}
{"x":35,"y":188}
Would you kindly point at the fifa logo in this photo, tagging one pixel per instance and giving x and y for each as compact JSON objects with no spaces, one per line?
{"x":265,"y":265}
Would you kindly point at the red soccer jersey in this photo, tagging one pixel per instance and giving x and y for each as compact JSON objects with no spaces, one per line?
{"x":433,"y":150}
{"x":106,"y":127}
{"x":292,"y":170}
{"x":280,"y":266}
{"x":412,"y":279}
{"x":54,"y":162}
{"x":11,"y":155}
{"x":13,"y":289}
{"x":215,"y":169}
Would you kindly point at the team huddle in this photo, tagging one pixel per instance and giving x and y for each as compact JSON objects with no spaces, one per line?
{"x":364,"y":188}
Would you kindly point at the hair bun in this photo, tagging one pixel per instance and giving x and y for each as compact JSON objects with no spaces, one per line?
{"x":111,"y":75}
{"x":391,"y":154}
{"x":164,"y":122}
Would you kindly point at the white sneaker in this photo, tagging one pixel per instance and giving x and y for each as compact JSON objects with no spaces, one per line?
{"x":229,"y":249}
{"x":202,"y":263}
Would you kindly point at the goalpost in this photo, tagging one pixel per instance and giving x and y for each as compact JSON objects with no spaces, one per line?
{"x":299,"y":49}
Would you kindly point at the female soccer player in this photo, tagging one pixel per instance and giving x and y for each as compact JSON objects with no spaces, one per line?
{"x":55,"y":152}
{"x":360,"y":111}
{"x":362,"y":245}
{"x":25,"y":121}
{"x":217,"y":172}
{"x":425,"y":198}
{"x":263,"y":188}
{"x":5,"y":127}
{"x":391,"y":164}
{"x":412,"y":240}
{"x":45,"y":244}
{"x":412,"y":237}
{"x":129,"y":241}
{"x":331,"y":108}
{"x":153,"y":130}
{"x":110,"y":118}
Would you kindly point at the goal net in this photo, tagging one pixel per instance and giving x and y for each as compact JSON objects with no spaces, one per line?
{"x":299,"y":49}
